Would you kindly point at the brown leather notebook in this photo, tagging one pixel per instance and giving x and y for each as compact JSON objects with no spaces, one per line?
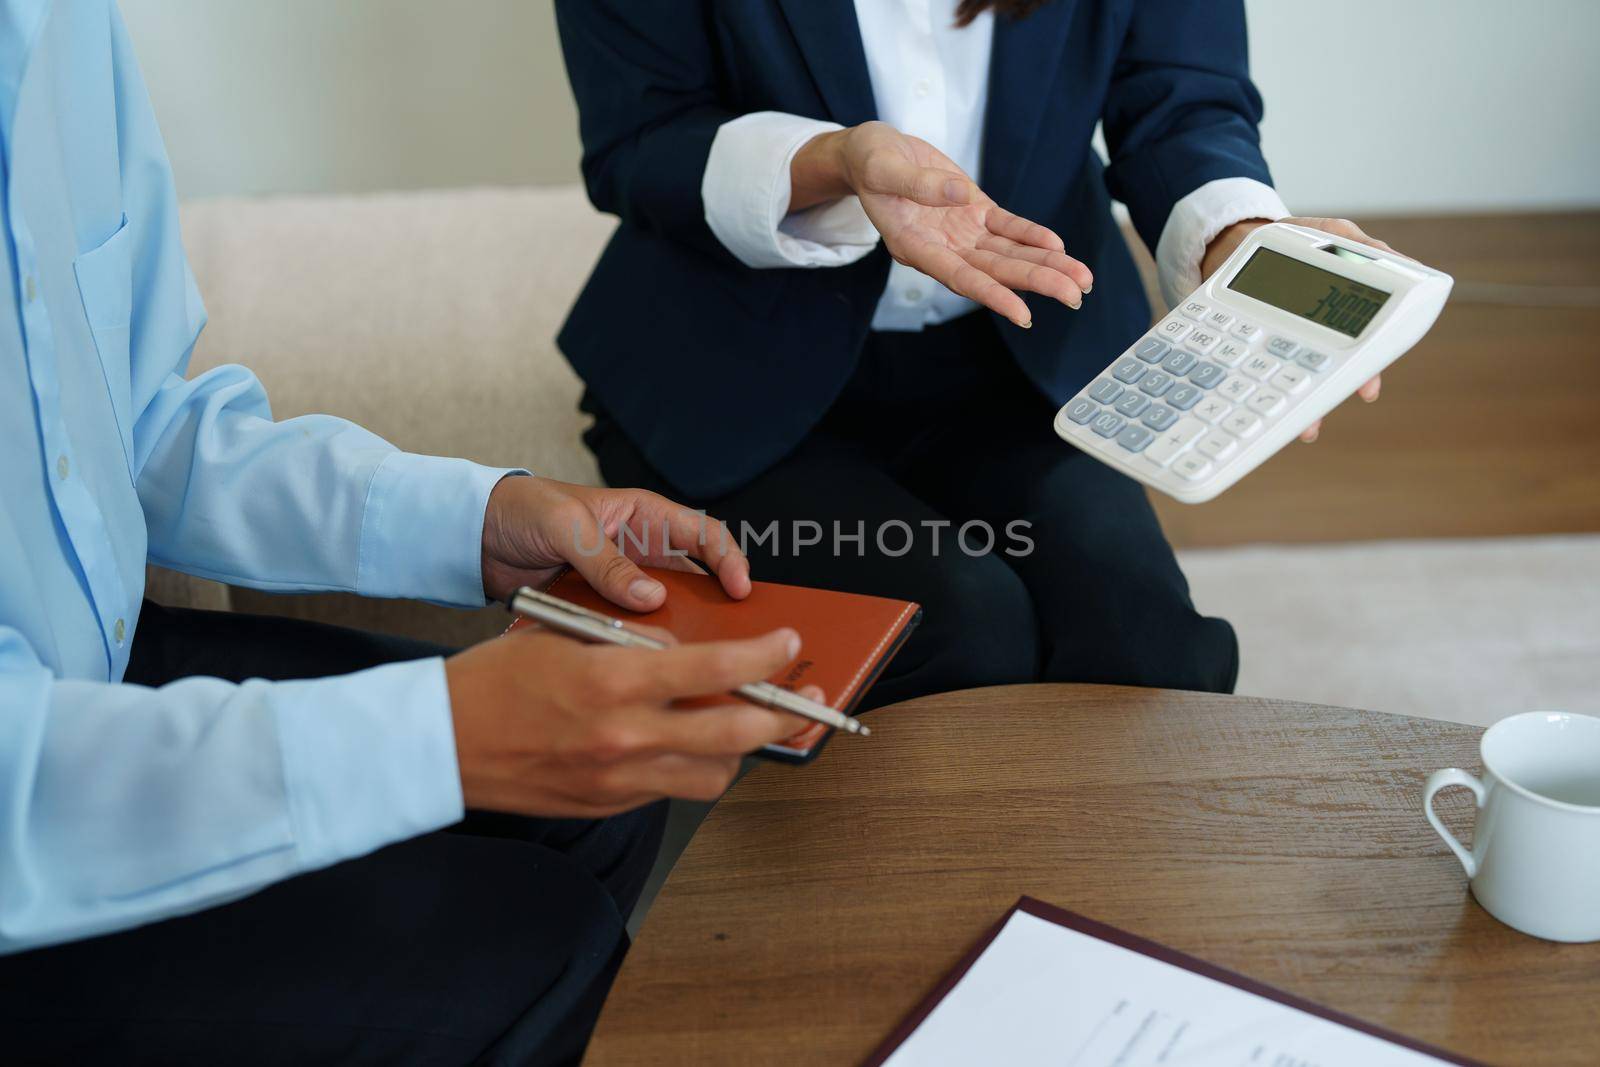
{"x":846,"y":638}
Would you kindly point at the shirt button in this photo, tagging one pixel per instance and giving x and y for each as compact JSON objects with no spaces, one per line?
{"x":923,"y":88}
{"x":63,"y":468}
{"x":119,"y":631}
{"x":913,"y":296}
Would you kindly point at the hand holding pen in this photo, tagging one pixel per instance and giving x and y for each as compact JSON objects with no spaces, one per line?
{"x":548,"y":726}
{"x":578,"y":621}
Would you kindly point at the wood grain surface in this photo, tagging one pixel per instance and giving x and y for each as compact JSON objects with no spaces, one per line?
{"x":1285,"y":841}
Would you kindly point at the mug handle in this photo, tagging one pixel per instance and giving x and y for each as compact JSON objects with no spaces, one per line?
{"x":1442,"y":780}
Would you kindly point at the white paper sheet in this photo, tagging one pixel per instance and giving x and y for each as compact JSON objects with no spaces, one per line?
{"x":1045,"y":994}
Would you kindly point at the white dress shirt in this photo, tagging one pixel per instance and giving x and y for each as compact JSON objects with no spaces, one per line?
{"x":930,"y":79}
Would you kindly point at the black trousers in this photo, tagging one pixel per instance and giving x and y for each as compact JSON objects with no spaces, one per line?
{"x":494,"y":942}
{"x":937,"y":430}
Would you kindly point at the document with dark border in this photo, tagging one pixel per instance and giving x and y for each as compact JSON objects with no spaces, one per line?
{"x":1047,"y":986}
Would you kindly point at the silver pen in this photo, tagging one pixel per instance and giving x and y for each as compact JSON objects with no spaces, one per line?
{"x":578,"y":621}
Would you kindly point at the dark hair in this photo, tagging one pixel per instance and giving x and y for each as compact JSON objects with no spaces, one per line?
{"x":1015,"y":9}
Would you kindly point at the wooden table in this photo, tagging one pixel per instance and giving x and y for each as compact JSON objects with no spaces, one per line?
{"x":1285,"y":841}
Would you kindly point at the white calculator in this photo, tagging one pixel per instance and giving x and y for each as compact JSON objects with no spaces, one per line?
{"x":1292,"y":324}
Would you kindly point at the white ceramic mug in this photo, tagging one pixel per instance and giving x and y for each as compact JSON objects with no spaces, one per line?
{"x":1535,"y":858}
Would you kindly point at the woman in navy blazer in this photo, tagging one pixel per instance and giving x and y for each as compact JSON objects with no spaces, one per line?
{"x":811,"y":320}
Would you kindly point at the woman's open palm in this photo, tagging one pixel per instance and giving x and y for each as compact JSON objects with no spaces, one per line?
{"x":933,"y":217}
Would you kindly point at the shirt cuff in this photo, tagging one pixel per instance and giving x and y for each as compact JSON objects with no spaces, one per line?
{"x":746,"y":189}
{"x":1198,"y":218}
{"x":422,"y":529}
{"x":368,"y":758}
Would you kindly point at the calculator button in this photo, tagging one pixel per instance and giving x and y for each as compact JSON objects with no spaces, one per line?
{"x":1207,"y":375}
{"x":1107,"y":424}
{"x":1152,"y":349}
{"x":1290,"y":379}
{"x":1192,"y":466}
{"x":1173,"y":441}
{"x":1194,"y":309}
{"x":1163,"y":448}
{"x":1178,"y":362}
{"x":1105,"y":390}
{"x":1081,"y":411}
{"x":1202,"y":341}
{"x":1282,"y":347}
{"x":1159,"y":418}
{"x":1311,"y":360}
{"x":1267,"y":402}
{"x":1134,"y":437}
{"x":1258,"y":367}
{"x":1184,"y":397}
{"x":1132,"y":404}
{"x":1248,"y":332}
{"x":1212,"y":408}
{"x":1229,"y":353}
{"x":1173,"y":330}
{"x":1130,"y":370}
{"x":1241,"y":424}
{"x":1219,"y":320}
{"x":1216,"y":445}
{"x":1237,"y":387}
{"x":1188,"y":429}
{"x":1156,"y":383}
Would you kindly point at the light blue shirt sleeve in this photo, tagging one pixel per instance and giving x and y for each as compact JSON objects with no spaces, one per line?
{"x":308,"y":504}
{"x":124,"y":805}
{"x":121,"y":804}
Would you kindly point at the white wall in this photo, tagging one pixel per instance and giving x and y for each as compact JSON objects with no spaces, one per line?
{"x":259,"y":96}
{"x":1430,"y":105}
{"x":1372,"y":105}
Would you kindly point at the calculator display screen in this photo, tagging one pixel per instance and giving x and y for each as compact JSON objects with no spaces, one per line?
{"x":1310,"y":292}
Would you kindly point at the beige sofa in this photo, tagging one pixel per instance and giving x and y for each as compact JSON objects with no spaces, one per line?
{"x":427,"y":317}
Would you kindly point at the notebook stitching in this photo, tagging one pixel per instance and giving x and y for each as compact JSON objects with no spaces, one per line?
{"x":873,"y":658}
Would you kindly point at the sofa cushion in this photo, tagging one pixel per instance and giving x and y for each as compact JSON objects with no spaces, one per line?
{"x":427,"y":317}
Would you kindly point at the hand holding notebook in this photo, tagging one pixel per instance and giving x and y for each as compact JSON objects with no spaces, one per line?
{"x":846,"y":638}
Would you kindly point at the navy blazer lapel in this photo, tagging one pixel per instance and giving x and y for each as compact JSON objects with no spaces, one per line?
{"x":830,"y":41}
{"x":1024,"y":68}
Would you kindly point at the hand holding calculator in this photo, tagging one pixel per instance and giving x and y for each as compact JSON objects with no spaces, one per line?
{"x":1284,"y":331}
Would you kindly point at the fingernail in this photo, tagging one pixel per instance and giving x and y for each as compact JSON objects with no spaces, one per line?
{"x":1311,"y":438}
{"x":794,"y":644}
{"x":644,"y":588}
{"x":1088,"y":289}
{"x":1076,"y":307}
{"x":956,"y":191}
{"x":1026,"y":325}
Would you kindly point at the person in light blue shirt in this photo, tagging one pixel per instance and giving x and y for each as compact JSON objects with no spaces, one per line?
{"x":219,"y":835}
